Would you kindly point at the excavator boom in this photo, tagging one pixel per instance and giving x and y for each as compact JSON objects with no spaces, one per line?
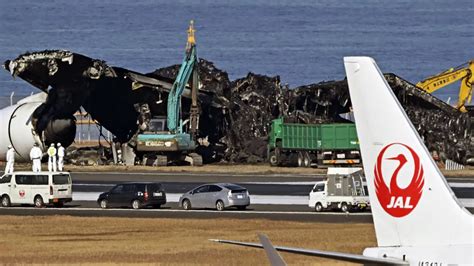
{"x":464,"y":73}
{"x":188,"y":67}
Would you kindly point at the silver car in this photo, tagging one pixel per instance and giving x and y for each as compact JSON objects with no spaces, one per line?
{"x":218,"y":196}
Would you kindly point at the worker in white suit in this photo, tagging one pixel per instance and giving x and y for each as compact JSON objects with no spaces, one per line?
{"x":52,"y":158}
{"x":61,"y":153}
{"x":10,"y":160}
{"x":35,"y":155}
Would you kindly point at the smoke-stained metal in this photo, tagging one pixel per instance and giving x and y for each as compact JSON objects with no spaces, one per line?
{"x":235,"y":115}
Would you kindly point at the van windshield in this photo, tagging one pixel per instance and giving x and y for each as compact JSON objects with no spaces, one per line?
{"x":60,"y":179}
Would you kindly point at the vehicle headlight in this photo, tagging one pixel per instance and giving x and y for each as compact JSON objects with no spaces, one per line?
{"x":168,"y":143}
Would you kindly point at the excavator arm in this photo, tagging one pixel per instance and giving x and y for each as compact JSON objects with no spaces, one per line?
{"x":188,"y":68}
{"x":443,"y":79}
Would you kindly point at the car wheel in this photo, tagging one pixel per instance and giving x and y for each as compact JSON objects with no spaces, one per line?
{"x":104,"y":204}
{"x":241,"y":207}
{"x":136,"y":204}
{"x":186,"y":204}
{"x":318,"y":207}
{"x":6,"y":201}
{"x":344,"y":207}
{"x":220,"y":205}
{"x":39,"y":202}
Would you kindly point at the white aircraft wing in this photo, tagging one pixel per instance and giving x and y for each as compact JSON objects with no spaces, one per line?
{"x":272,"y":254}
{"x":321,"y":253}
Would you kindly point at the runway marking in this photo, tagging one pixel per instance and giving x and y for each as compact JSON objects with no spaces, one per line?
{"x":174,"y":197}
{"x":190,"y":211}
{"x":254,"y":199}
{"x":461,"y":185}
{"x":291,"y":183}
{"x":223,"y":175}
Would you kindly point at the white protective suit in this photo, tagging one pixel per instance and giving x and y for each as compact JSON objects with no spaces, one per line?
{"x":10,"y":160}
{"x":52,"y":158}
{"x":61,"y":153}
{"x":35,"y":155}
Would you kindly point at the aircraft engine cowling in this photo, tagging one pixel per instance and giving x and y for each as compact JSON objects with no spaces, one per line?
{"x":17,"y":129}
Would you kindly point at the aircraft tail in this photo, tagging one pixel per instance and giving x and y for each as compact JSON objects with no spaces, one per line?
{"x":412,"y":204}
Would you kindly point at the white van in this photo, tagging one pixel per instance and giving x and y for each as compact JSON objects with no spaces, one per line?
{"x":36,"y":188}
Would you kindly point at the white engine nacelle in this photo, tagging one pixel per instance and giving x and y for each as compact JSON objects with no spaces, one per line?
{"x":17,"y":130}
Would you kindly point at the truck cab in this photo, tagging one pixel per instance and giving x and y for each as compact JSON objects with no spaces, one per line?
{"x":344,"y":189}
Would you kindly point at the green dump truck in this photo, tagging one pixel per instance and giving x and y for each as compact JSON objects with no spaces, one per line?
{"x":313,"y":144}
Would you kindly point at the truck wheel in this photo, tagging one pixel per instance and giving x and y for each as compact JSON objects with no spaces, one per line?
{"x":273,"y":159}
{"x":300,"y":159}
{"x":344,"y":207}
{"x":306,"y":160}
{"x":318,"y":207}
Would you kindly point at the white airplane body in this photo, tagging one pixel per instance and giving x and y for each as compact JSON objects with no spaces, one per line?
{"x":16,"y":128}
{"x":417,"y":218}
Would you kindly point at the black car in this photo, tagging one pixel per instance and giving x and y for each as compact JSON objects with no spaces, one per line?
{"x":135,"y":195}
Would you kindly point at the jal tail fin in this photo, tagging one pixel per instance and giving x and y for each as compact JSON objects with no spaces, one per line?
{"x":412,"y":204}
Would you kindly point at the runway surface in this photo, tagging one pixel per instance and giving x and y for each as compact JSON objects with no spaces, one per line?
{"x":264,"y":189}
{"x":276,"y":197}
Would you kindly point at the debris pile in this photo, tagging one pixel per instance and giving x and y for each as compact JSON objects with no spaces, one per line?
{"x":241,"y":111}
{"x":445,"y":130}
{"x":235,"y":115}
{"x":87,"y":156}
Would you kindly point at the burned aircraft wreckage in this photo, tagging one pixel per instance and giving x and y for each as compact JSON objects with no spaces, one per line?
{"x":235,"y":115}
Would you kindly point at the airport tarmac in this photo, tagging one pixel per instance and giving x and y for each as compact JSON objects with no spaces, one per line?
{"x":273,"y":196}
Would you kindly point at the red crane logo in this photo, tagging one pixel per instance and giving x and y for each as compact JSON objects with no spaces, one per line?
{"x":397,"y":201}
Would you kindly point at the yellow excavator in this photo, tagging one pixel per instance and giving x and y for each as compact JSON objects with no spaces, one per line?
{"x":464,"y":72}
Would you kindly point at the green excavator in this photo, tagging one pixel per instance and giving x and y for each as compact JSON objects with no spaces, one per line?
{"x":168,"y":141}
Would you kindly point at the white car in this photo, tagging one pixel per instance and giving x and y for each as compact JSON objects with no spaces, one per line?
{"x":35,"y":188}
{"x":218,"y":196}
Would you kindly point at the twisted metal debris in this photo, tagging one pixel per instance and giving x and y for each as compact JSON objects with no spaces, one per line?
{"x":236,"y":115}
{"x":247,"y":106}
